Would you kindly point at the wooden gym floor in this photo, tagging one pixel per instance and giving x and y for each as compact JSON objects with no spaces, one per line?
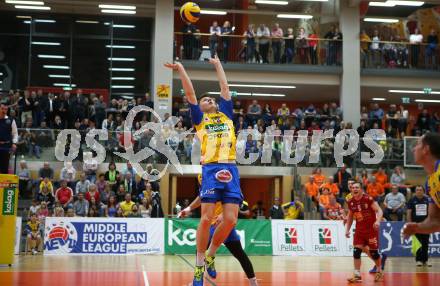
{"x":176,"y":270}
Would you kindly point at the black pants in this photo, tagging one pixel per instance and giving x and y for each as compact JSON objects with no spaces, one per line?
{"x":264,"y":51}
{"x":4,"y":161}
{"x":422,"y":253}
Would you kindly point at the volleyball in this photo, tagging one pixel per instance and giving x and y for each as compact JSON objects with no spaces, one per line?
{"x":190,"y":12}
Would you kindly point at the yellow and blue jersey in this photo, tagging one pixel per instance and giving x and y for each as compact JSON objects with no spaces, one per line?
{"x":433,"y":185}
{"x":216,"y":132}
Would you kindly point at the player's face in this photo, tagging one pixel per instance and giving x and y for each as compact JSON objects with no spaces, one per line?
{"x":207,"y":104}
{"x":356,"y":189}
{"x":419,"y":151}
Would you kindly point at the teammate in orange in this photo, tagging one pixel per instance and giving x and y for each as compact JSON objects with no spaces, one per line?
{"x":368,"y":216}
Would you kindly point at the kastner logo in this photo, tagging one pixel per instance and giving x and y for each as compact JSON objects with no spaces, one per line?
{"x":325,"y":236}
{"x":8,"y":202}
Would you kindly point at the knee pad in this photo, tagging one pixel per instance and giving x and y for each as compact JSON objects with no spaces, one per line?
{"x":357,"y":253}
{"x":375,"y":254}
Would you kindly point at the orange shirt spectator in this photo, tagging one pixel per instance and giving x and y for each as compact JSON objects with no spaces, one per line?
{"x":312,"y":189}
{"x":375,"y":189}
{"x":334,"y":211}
{"x":324,"y":198}
{"x":381,"y":177}
{"x":318,"y":177}
{"x":333,"y":187}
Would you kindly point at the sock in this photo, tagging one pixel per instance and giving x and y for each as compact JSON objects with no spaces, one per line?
{"x":200,"y":259}
{"x":212,"y":250}
{"x":357,"y":273}
{"x":253,"y":282}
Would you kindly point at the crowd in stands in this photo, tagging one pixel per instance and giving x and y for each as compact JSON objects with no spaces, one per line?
{"x":264,"y":44}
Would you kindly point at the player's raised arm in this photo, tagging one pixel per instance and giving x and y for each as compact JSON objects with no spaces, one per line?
{"x":224,"y":87}
{"x":186,"y":82}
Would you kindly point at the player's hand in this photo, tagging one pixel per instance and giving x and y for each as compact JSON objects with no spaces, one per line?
{"x":347,"y":234}
{"x":215,"y":60}
{"x":184,"y":213}
{"x":376,"y":225}
{"x":409,"y":229}
{"x":175,"y":66}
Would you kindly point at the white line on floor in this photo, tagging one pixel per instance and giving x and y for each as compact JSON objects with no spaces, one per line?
{"x":144,"y":274}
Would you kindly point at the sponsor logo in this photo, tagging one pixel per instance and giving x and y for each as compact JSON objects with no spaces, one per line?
{"x":181,"y":237}
{"x":60,"y":237}
{"x":325,"y":236}
{"x":325,"y":242}
{"x":217,"y":127}
{"x":8,"y":201}
{"x":291,"y":240}
{"x":223,"y":176}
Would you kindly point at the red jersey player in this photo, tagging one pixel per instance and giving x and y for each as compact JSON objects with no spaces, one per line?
{"x":368,"y":216}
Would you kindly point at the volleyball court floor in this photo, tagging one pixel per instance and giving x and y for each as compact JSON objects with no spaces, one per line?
{"x":176,"y":270}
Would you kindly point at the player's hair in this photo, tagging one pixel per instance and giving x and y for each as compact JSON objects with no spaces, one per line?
{"x":432,"y":139}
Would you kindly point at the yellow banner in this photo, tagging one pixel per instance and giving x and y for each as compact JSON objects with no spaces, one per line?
{"x":163,"y":91}
{"x":8,"y":214}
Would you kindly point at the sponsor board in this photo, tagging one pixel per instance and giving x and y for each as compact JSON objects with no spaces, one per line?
{"x":104,"y":236}
{"x":18,"y":222}
{"x":393,"y":244}
{"x":255,"y":236}
{"x":310,"y":238}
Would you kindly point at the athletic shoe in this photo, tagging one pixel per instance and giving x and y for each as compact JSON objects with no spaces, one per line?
{"x":419,"y":263}
{"x":198,"y":276}
{"x":384,"y":259}
{"x":210,"y":266}
{"x":373,"y":270}
{"x":34,"y":252}
{"x":427,"y":264}
{"x":355,"y":279}
{"x":378,"y":277}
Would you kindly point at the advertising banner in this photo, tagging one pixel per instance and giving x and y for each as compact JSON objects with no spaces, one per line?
{"x":105,"y":236}
{"x":8,"y":213}
{"x":310,"y":238}
{"x":17,"y":235}
{"x":393,"y":244}
{"x":255,"y":236}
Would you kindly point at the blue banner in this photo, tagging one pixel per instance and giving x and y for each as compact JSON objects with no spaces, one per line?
{"x":393,"y":244}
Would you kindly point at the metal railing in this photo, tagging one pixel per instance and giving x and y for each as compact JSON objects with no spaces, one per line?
{"x":245,"y":49}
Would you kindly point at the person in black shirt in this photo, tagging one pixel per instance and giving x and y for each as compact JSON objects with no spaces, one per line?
{"x":289,"y":46}
{"x":226,"y":31}
{"x":276,"y":211}
{"x":431,"y":49}
{"x":188,"y":41}
{"x":8,"y":138}
{"x":417,"y":211}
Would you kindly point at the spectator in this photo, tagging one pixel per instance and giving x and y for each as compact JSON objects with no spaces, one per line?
{"x":68,"y":173}
{"x":276,"y":211}
{"x":324,"y":201}
{"x":293,"y":210}
{"x":318,"y":177}
{"x":375,"y":189}
{"x":289,"y":46}
{"x":97,"y":207}
{"x":394,"y":204}
{"x":365,"y":45}
{"x":333,"y":211}
{"x":24,"y":184}
{"x":127,"y":205}
{"x":46,"y":172}
{"x":92,"y":192}
{"x":26,"y":104}
{"x":376,"y":51}
{"x":46,"y":195}
{"x":58,"y":212}
{"x":42,"y":212}
{"x":258,"y":210}
{"x":313,"y":46}
{"x":398,"y":178}
{"x":32,"y":230}
{"x":101,"y":183}
{"x":253,"y":113}
{"x":215,"y":32}
{"x":277,"y":36}
{"x":33,"y":209}
{"x":312,"y":190}
{"x":64,"y":195}
{"x":415,"y":40}
{"x":381,"y":177}
{"x":263,"y":36}
{"x":188,"y":40}
{"x":46,"y":183}
{"x":134,"y":212}
{"x":145,"y":208}
{"x":244,"y":211}
{"x":82,"y":185}
{"x":90,"y":169}
{"x":111,"y":209}
{"x":417,"y":211}
{"x":431,"y":50}
{"x":376,"y":115}
{"x":303,"y":46}
{"x":250,"y":43}
{"x":226,"y":32}
{"x":362,"y":129}
{"x":283,"y":114}
{"x":119,"y":212}
{"x":332,"y":186}
{"x":424,"y":121}
{"x":332,"y":47}
{"x":130,"y":184}
{"x":112,"y":175}
{"x":341,"y":178}
{"x":277,"y":147}
{"x":81,"y":206}
{"x":99,"y":106}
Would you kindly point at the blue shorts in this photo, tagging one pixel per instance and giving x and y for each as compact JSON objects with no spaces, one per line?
{"x":220,"y":183}
{"x":233,"y":235}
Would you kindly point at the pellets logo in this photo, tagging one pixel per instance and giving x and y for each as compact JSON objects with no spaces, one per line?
{"x":325,"y":236}
{"x":291,"y":235}
{"x":8,"y":202}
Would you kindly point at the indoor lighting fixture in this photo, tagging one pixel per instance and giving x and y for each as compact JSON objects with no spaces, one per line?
{"x":31,"y":7}
{"x":122,"y":86}
{"x":123,"y":78}
{"x":120,"y":46}
{"x":51,"y":57}
{"x":213,"y":12}
{"x":44,"y":21}
{"x":427,"y":100}
{"x":392,"y":3}
{"x":120,"y":26}
{"x":121,"y":69}
{"x":121,"y":7}
{"x":268,"y":94}
{"x":238,"y":93}
{"x":379,"y":99}
{"x":56,"y":67}
{"x":20,"y":2}
{"x":109,"y":11}
{"x":122,"y":59}
{"x":59,"y":76}
{"x":381,"y":20}
{"x":1,"y":73}
{"x":64,"y":84}
{"x":412,"y":91}
{"x":268,"y":2}
{"x":261,"y":86}
{"x":381,"y":4}
{"x":86,"y":22}
{"x":46,"y":43}
{"x":27,"y":22}
{"x":24,"y":17}
{"x":294,"y":16}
